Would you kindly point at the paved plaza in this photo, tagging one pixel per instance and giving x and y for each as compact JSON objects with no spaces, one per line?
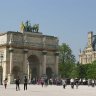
{"x":37,"y":90}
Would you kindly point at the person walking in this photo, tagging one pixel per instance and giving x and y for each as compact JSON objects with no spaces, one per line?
{"x":42,"y":81}
{"x":93,"y":82}
{"x":17,"y":81}
{"x":5,"y":83}
{"x":25,"y":83}
{"x":76,"y":82}
{"x":72,"y":83}
{"x":64,"y":83}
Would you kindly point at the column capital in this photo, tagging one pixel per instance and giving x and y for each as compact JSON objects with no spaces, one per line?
{"x":57,"y":53}
{"x":44,"y":52}
{"x":11,"y":49}
{"x":25,"y":50}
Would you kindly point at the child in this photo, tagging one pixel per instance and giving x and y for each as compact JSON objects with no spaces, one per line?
{"x":5,"y":83}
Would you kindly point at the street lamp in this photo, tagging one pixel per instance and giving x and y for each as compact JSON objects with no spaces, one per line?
{"x":1,"y":69}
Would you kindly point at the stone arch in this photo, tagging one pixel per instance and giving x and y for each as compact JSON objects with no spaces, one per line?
{"x":34,"y":66}
{"x":16,"y":71}
{"x":49,"y":72}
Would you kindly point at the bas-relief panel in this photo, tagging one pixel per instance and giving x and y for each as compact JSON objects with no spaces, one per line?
{"x":17,"y":37}
{"x":18,"y":63}
{"x":34,"y":39}
{"x":3,"y":39}
{"x":50,"y":60}
{"x":18,"y":59}
{"x":3,"y":53}
{"x":51,"y":41}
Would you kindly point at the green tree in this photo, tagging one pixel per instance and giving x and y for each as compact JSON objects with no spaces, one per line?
{"x":83,"y":70}
{"x":91,"y":71}
{"x":75,"y":72}
{"x":67,"y":60}
{"x":87,"y":70}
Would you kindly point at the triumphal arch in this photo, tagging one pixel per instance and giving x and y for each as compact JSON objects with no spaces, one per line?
{"x":27,"y":52}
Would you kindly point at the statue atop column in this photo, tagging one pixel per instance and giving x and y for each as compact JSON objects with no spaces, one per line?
{"x":26,"y":27}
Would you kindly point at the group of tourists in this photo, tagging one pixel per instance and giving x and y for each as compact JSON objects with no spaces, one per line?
{"x":72,"y":83}
{"x":63,"y":81}
{"x":76,"y":82}
{"x":45,"y":81}
{"x":17,"y":82}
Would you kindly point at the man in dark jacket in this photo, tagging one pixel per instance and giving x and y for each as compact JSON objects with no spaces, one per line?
{"x":17,"y":83}
{"x":25,"y":83}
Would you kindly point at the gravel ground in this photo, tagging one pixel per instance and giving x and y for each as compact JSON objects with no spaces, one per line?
{"x":37,"y":90}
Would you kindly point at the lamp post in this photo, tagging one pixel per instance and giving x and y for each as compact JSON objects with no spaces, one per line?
{"x":1,"y":57}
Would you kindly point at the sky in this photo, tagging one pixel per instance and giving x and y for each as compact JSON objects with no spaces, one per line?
{"x":69,"y":20}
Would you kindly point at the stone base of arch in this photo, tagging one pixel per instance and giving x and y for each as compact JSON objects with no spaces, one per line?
{"x":10,"y":79}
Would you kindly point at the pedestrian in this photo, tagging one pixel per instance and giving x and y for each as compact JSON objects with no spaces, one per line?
{"x":64,"y":83}
{"x":25,"y":83}
{"x":89,"y":82}
{"x":5,"y":83}
{"x":93,"y":82}
{"x":17,"y":81}
{"x":84,"y":81}
{"x":76,"y":82}
{"x":72,"y":83}
{"x":42,"y":81}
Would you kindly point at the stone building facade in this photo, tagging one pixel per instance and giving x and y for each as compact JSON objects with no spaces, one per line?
{"x":27,"y":53}
{"x":88,"y":55}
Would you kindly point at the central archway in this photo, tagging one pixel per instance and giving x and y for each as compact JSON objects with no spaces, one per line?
{"x":34,"y":66}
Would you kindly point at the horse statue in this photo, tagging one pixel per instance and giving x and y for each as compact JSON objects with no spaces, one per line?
{"x":35,"y":28}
